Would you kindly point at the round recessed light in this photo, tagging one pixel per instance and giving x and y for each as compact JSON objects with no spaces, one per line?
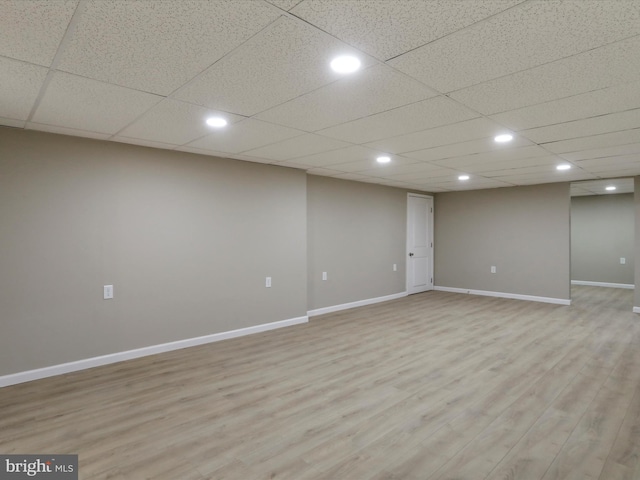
{"x":564,"y":166}
{"x":505,"y":137}
{"x":463,"y":177}
{"x":345,"y":64}
{"x":383,"y":159}
{"x":610,"y":188}
{"x":216,"y":122}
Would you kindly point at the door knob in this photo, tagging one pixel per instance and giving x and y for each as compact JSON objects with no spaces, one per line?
{"x":411,"y":254}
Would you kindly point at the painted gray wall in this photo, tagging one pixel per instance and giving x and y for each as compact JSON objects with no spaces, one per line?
{"x":636,"y":201}
{"x":186,"y":240}
{"x":356,"y":232}
{"x":523,"y":231}
{"x":602,"y":231}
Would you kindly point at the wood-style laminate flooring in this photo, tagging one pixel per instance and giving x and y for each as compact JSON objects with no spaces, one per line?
{"x":432,"y":386}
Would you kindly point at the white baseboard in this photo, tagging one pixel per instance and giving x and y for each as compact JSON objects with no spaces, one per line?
{"x":630,"y":286}
{"x":84,"y":364}
{"x":515,"y":296}
{"x":359,"y":303}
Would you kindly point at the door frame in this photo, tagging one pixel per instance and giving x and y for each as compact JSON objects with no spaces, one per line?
{"x":429,"y":239}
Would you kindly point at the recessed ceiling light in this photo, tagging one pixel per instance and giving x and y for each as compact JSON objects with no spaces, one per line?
{"x":610,"y":188}
{"x":345,"y":64}
{"x":463,"y":177}
{"x":383,"y":159}
{"x":216,"y":122}
{"x":564,"y":166}
{"x":505,"y":137}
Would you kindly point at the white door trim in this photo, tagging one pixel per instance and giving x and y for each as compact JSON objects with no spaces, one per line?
{"x":430,"y":240}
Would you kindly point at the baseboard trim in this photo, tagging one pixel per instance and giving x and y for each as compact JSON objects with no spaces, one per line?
{"x":629,"y":286}
{"x":514,"y":296}
{"x":359,"y":303}
{"x":84,"y":364}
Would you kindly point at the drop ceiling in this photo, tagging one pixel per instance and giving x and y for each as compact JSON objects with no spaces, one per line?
{"x":599,"y":187}
{"x":439,"y":79}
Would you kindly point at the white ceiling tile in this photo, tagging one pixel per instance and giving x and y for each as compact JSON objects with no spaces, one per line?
{"x":173,"y":122}
{"x":628,"y":172}
{"x":612,"y":166}
{"x":364,"y":93}
{"x":603,"y":67}
{"x":21,"y":83}
{"x":32,"y":30}
{"x":515,"y":153}
{"x":531,"y":34}
{"x":594,"y":141}
{"x":513,"y":163}
{"x":67,"y":131}
{"x":536,"y":178}
{"x":618,"y":150}
{"x":307,"y":144}
{"x":428,"y":189}
{"x":473,"y":183}
{"x":459,"y":187}
{"x":373,"y":26}
{"x":371,"y":165}
{"x":422,"y":115}
{"x":599,"y":102}
{"x":201,"y":151}
{"x":245,"y":135}
{"x":250,"y":56}
{"x":144,"y":143}
{"x":249,"y":158}
{"x":85,"y":104}
{"x":448,"y":134}
{"x":466,"y":148}
{"x":334,"y":157}
{"x":452,"y":181}
{"x":438,"y":174}
{"x":284,"y":4}
{"x":10,"y":122}
{"x":287,"y":59}
{"x":158,"y":46}
{"x":594,"y":164}
{"x":548,"y":169}
{"x":582,"y":128}
{"x":392,"y":183}
{"x":415,"y":169}
{"x":597,"y":187}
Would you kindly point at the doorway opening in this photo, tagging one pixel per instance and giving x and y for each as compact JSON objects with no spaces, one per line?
{"x":602,"y":240}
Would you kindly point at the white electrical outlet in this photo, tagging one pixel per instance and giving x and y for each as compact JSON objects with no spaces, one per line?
{"x":395,"y":267}
{"x":267,"y":282}
{"x":493,"y":269}
{"x":623,"y":260}
{"x":324,"y":275}
{"x":108,"y":292}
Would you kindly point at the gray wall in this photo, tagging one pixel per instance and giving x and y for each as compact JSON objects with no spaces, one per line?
{"x":356,"y":232}
{"x":523,"y":231}
{"x":186,"y":240}
{"x":636,"y":201}
{"x":602,"y":231}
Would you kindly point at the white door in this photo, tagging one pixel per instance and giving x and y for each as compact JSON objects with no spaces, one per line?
{"x":419,"y":243}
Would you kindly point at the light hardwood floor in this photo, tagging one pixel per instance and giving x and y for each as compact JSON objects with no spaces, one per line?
{"x":433,"y":386}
